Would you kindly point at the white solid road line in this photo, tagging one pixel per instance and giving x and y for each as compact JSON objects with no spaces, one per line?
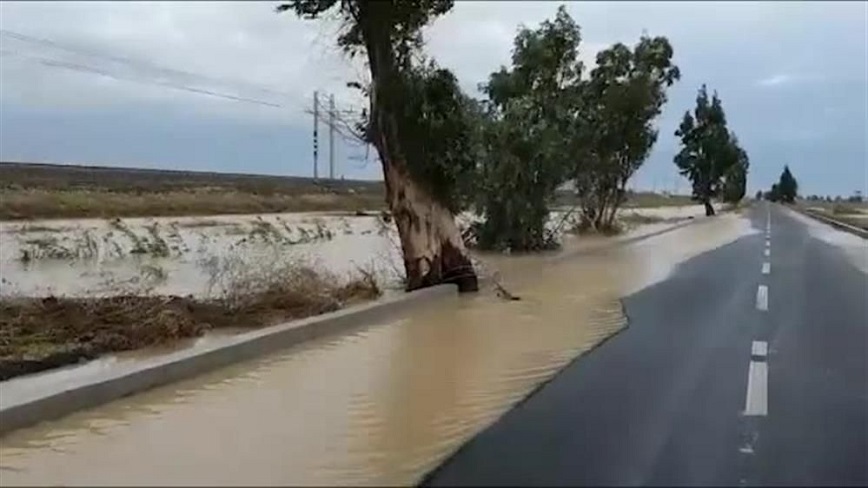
{"x":757,"y":401}
{"x":768,"y":252}
{"x":762,"y":298}
{"x":767,"y":268}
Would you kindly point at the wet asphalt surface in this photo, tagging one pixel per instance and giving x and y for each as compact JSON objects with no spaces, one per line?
{"x":664,"y":402}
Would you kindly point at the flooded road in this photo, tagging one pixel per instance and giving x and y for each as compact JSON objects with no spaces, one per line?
{"x":380,"y":406}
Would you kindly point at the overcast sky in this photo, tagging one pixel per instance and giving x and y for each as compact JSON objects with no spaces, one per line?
{"x":158,"y":84}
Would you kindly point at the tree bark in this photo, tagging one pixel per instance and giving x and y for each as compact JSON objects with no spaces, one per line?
{"x":431,"y":243}
{"x":709,"y":209}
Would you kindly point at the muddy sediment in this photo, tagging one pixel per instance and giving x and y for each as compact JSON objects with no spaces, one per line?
{"x":37,"y":334}
{"x":119,"y":303}
{"x":379,"y":406}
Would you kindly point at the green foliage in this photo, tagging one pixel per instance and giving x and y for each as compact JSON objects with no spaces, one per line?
{"x":613,"y":132}
{"x":435,"y":121}
{"x":709,"y":150}
{"x":542,"y":124}
{"x":774,"y":194}
{"x":735,"y":179}
{"x":548,"y":125}
{"x":788,"y":187}
{"x":437,"y":126}
{"x":523,"y":140}
{"x":399,"y":21}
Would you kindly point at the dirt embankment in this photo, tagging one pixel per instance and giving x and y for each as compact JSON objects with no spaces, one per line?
{"x":35,"y":191}
{"x":37,"y":334}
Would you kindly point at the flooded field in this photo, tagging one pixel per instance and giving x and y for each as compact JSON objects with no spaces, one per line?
{"x":380,"y":406}
{"x":179,"y":256}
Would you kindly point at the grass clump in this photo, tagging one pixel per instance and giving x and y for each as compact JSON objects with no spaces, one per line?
{"x":82,"y":245}
{"x":844,"y":209}
{"x":36,"y":229}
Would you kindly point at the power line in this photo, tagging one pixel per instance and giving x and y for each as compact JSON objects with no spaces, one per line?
{"x":139,"y":65}
{"x":339,"y":125}
{"x":145,"y":67}
{"x":54,"y":63}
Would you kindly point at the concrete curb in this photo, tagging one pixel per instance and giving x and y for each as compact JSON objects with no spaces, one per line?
{"x":91,"y":392}
{"x":852,"y":229}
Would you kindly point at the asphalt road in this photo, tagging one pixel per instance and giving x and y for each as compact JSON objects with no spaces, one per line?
{"x":740,"y":369}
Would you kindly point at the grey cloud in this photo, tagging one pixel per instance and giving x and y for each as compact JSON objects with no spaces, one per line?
{"x":792,"y":75}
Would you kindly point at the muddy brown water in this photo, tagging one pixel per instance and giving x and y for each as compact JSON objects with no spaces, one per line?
{"x":354,"y":242}
{"x":382,"y":405}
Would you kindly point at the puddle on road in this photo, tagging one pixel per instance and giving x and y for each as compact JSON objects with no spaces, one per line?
{"x":380,"y":406}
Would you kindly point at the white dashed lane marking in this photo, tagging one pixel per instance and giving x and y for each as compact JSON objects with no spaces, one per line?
{"x":762,"y":298}
{"x":757,"y":400}
{"x":759,"y":349}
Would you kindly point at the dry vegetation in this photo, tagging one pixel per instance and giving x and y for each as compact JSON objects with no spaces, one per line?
{"x":32,"y":191}
{"x":633,"y":200}
{"x":853,"y":213}
{"x":649,"y":199}
{"x":42,"y":333}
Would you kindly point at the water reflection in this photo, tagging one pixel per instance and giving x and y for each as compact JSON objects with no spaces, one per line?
{"x":379,"y":406}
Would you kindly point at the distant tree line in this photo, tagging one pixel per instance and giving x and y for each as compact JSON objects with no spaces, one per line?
{"x":544,"y":121}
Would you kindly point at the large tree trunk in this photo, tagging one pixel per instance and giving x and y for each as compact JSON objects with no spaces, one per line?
{"x":709,"y":209}
{"x":431,"y":243}
{"x":433,"y":249}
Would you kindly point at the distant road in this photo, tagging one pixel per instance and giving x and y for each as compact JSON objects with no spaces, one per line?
{"x":748,"y":366}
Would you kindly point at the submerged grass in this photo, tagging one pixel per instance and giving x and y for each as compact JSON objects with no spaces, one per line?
{"x":82,"y":245}
{"x":195,"y":224}
{"x":42,"y":333}
{"x":157,"y":240}
{"x":37,"y":229}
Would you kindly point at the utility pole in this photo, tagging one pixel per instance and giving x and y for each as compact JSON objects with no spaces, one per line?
{"x":331,"y":136}
{"x":315,"y":139}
